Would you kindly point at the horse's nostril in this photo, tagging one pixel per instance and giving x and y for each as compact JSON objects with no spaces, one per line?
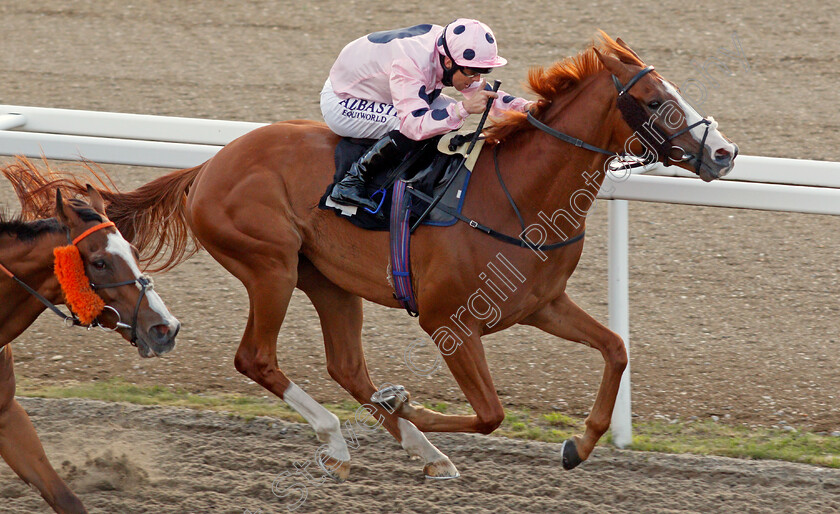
{"x":722,"y":154}
{"x":159,"y":333}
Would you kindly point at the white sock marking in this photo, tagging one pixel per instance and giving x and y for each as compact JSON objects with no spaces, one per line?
{"x":324,"y":422}
{"x":416,"y":444}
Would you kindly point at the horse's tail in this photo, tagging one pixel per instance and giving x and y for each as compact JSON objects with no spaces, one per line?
{"x":152,"y":217}
{"x":35,"y":188}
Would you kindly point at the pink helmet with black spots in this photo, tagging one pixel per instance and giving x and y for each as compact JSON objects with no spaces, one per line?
{"x":470,"y":44}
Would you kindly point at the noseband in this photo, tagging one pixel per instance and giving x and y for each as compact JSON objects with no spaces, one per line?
{"x":146,"y":284}
{"x":637,"y":118}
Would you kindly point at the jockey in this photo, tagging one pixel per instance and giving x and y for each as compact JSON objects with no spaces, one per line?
{"x":387,"y":86}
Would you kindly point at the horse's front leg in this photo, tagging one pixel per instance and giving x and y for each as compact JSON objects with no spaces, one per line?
{"x":21,"y":448}
{"x":563,"y":318}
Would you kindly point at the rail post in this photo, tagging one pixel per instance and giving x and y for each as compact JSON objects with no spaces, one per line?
{"x":619,"y":305}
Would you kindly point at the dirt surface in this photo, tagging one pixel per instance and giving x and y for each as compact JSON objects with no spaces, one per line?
{"x":734,"y":312}
{"x":119,"y":458}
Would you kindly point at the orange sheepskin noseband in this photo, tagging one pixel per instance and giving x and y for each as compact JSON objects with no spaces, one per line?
{"x":70,"y":271}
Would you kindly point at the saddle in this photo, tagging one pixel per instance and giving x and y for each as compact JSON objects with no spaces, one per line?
{"x":426,"y":170}
{"x":406,"y":193}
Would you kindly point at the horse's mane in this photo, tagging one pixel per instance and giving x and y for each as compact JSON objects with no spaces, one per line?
{"x":562,"y":76}
{"x":27,"y":230}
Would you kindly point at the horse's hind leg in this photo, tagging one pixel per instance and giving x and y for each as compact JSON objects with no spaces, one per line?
{"x":341,"y":322}
{"x":266,"y":263}
{"x":563,"y":318}
{"x":21,"y":448}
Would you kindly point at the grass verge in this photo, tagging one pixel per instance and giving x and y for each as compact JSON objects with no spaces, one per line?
{"x":700,"y":437}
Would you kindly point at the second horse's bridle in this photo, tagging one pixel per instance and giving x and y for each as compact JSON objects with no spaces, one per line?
{"x":144,"y":281}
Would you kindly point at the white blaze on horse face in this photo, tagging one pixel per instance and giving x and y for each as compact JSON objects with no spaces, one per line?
{"x":714,"y":140}
{"x":324,"y":422}
{"x":118,"y":246}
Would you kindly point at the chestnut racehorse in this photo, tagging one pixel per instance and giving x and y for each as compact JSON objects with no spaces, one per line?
{"x":253,"y":206}
{"x":26,"y":261}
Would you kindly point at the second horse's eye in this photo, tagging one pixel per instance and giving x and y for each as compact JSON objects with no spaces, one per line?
{"x":654,"y":104}
{"x":99,"y":264}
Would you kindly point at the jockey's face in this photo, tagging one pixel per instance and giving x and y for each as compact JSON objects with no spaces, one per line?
{"x":464,"y":77}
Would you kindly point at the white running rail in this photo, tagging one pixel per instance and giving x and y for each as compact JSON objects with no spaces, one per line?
{"x":762,"y":183}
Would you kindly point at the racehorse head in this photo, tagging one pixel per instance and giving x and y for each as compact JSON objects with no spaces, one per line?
{"x":109,"y":264}
{"x":658,"y":123}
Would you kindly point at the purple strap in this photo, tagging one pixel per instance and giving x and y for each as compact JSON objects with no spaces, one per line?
{"x":400,"y":262}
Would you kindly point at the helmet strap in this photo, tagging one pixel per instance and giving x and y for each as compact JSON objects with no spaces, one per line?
{"x":448,"y":73}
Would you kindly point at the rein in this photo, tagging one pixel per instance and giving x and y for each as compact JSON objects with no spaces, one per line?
{"x":631,"y":121}
{"x":565,"y":137}
{"x":70,"y":321}
{"x":434,"y":202}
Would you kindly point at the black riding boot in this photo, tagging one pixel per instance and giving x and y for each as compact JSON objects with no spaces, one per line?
{"x":351,"y":189}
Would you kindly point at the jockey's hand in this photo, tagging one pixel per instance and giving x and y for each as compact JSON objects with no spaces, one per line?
{"x":477,"y":102}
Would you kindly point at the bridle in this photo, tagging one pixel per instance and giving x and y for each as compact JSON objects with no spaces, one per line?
{"x":636,"y":117}
{"x":642,"y":124}
{"x":144,"y":281}
{"x":633,"y":114}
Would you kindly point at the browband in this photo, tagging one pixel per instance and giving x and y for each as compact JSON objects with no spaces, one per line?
{"x":91,"y":230}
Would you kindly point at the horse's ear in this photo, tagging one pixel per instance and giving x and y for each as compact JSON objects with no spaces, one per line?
{"x":612,"y":64}
{"x":59,"y":208}
{"x":95,"y":199}
{"x":65,"y":213}
{"x":626,"y":47}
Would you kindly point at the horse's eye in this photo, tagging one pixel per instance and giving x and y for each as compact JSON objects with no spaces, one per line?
{"x":654,"y":104}
{"x":99,"y":264}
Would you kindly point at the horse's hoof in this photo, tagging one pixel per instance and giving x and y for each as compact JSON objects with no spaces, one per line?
{"x":391,"y":397}
{"x":441,"y":470}
{"x":570,"y":454}
{"x":338,"y":470}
